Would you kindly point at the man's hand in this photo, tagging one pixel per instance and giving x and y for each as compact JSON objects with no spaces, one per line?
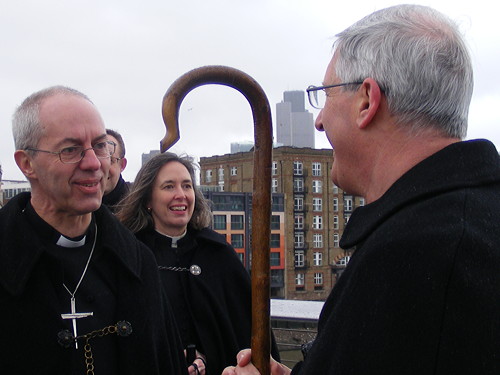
{"x":245,"y":367}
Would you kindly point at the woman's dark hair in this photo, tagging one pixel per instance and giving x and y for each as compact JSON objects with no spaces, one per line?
{"x":133,"y":210}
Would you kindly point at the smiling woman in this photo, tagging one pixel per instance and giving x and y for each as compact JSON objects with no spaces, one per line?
{"x":201,"y":274}
{"x":172,"y":199}
{"x":164,"y":185}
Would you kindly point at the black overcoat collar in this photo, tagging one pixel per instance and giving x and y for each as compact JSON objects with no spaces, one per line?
{"x":441,"y":172}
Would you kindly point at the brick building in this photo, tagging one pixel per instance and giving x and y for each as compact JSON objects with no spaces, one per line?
{"x":315,"y":213}
{"x":232,"y":214}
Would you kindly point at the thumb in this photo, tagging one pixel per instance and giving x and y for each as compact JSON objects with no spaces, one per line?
{"x":243,"y":358}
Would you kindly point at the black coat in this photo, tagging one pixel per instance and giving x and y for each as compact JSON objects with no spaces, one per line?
{"x":30,"y":309}
{"x":421,"y":293}
{"x":116,"y":195}
{"x":213,"y":309}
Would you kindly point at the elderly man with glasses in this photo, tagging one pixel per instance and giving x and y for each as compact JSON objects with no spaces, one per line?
{"x":78,"y":292}
{"x":421,"y":293}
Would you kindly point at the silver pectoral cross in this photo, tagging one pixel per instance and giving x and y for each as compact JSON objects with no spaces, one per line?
{"x":74,"y":316}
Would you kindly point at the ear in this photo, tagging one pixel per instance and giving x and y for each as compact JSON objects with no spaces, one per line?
{"x":370,"y":97}
{"x":23,"y":161}
{"x":123,"y":164}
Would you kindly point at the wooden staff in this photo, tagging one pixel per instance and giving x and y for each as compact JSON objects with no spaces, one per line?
{"x":261,"y":201}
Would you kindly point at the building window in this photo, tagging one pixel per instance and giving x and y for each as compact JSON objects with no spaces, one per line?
{"x":237,"y":240}
{"x":275,"y":222}
{"x":318,"y":258}
{"x":317,"y":186}
{"x":220,"y":222}
{"x":298,"y":185}
{"x":335,"y":189}
{"x":317,"y":222}
{"x":318,"y":278}
{"x":316,"y":169}
{"x":299,"y":259}
{"x":335,"y":222}
{"x":298,"y":203}
{"x":234,"y":171}
{"x":221,"y":174}
{"x":241,"y":257}
{"x":228,"y":202}
{"x":317,"y":240}
{"x":335,"y":205}
{"x":335,"y":240}
{"x":347,"y":204}
{"x":298,"y":168}
{"x":277,"y":203}
{"x":275,"y":240}
{"x":208,"y":175}
{"x":274,"y":185}
{"x":344,"y":261}
{"x":299,"y":280}
{"x":299,"y":240}
{"x":274,"y":170}
{"x":236,"y":221}
{"x":317,"y":204}
{"x":274,"y":260}
{"x":346,"y":218}
{"x":299,"y":221}
{"x":361,"y":201}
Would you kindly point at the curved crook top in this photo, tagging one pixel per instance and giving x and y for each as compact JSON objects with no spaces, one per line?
{"x":261,"y":201}
{"x":214,"y":74}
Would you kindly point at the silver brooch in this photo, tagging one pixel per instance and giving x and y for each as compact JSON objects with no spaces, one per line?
{"x":195,"y":270}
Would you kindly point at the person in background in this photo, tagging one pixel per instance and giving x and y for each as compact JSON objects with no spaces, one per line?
{"x":200,"y":271}
{"x":78,"y":292}
{"x":421,"y":293}
{"x":116,"y":187}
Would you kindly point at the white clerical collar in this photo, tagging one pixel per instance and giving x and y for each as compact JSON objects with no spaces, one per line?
{"x":66,"y":242}
{"x":173,"y":238}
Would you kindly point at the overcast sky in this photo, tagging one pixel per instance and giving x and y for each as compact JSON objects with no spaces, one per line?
{"x":125,"y":54}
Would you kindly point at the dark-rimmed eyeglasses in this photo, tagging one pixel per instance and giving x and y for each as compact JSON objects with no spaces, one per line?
{"x":114,"y":159}
{"x":74,"y":154}
{"x":317,"y":94}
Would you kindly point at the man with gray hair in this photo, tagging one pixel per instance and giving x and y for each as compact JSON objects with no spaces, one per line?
{"x":421,"y":293}
{"x":78,"y":292}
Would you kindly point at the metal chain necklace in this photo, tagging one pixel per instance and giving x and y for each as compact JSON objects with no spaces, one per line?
{"x":66,"y":339}
{"x":195,"y":270}
{"x":73,"y":315}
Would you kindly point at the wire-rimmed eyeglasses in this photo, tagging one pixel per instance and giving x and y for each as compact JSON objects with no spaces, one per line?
{"x":74,"y":154}
{"x":317,"y":94}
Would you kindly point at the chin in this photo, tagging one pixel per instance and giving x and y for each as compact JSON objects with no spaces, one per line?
{"x":89,"y":206}
{"x":180,"y":227}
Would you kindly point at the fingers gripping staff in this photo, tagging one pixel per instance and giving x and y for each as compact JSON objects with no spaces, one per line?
{"x":261,"y":206}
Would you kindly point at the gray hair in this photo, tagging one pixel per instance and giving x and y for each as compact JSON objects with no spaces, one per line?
{"x":133,"y":211}
{"x":420,"y":61}
{"x":26,"y":126}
